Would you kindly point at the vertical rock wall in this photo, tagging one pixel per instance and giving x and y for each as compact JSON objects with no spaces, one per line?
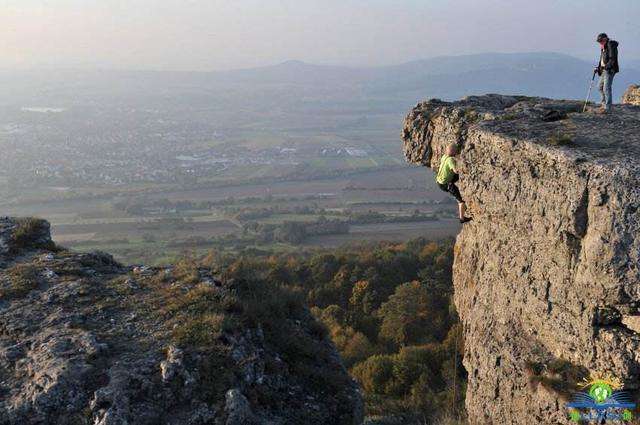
{"x":546,"y":275}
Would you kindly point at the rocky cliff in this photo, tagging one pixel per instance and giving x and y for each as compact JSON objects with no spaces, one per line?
{"x":85,"y":340}
{"x":546,"y":275}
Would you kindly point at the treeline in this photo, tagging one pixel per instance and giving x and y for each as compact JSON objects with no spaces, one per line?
{"x":137,"y":206}
{"x":144,"y":207}
{"x":294,"y":232}
{"x":246,"y":214}
{"x":374,"y":217}
{"x":349,"y":216}
{"x":388,"y":308}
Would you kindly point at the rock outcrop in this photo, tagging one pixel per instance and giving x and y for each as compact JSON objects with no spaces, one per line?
{"x":85,"y":340}
{"x":546,"y":275}
{"x":632,"y":95}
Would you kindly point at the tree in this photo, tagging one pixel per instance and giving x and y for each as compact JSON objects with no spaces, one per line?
{"x":323,"y":267}
{"x":412,"y":316}
{"x":353,"y":346}
{"x":374,"y":374}
{"x":362,"y":296}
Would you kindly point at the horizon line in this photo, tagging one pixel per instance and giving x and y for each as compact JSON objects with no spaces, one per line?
{"x":84,"y":68}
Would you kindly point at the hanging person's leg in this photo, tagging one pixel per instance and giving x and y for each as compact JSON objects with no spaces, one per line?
{"x":462,"y":209}
{"x":462,"y":206}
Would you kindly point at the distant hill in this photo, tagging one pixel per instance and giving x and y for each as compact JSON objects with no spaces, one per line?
{"x":448,"y":77}
{"x":540,"y":74}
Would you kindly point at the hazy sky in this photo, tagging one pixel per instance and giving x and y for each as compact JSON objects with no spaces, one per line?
{"x":222,"y":34}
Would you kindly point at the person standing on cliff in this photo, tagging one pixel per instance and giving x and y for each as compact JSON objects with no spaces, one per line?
{"x":606,"y":69}
{"x":448,"y":176}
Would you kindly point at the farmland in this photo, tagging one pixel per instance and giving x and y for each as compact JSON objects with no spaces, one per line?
{"x":158,"y":226}
{"x":173,"y":168}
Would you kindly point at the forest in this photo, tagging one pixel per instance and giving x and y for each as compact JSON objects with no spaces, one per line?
{"x":388,"y":309}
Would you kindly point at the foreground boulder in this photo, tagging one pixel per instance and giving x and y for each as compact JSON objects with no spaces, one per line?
{"x":546,"y":275}
{"x":85,"y":340}
{"x":632,"y":95}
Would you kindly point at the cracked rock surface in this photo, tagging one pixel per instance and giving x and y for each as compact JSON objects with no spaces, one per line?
{"x":86,"y":340}
{"x":547,"y":272}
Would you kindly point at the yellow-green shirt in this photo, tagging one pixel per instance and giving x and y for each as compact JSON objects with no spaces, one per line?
{"x":446,"y":171}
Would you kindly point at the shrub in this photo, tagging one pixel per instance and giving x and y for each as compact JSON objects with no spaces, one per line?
{"x":19,"y":281}
{"x":471,"y":115}
{"x":353,"y":346}
{"x":29,"y":233}
{"x":449,"y":419}
{"x":560,"y":139}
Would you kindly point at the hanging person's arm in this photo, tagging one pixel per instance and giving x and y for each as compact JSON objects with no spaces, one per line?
{"x":453,"y":165}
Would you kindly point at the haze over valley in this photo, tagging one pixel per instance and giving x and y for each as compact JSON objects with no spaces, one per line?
{"x":221,"y":159}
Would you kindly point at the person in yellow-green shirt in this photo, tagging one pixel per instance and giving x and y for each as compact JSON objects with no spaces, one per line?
{"x":448,"y":176}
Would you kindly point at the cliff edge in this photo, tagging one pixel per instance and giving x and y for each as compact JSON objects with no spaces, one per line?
{"x":86,"y":340}
{"x":546,"y":275}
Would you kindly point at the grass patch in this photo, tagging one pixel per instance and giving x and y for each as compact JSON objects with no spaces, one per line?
{"x":197,"y":301}
{"x":203,"y":331}
{"x":558,"y":375}
{"x":198,"y":317}
{"x":186,"y":271}
{"x":560,"y":139}
{"x":216,"y":375}
{"x":19,"y":281}
{"x":202,"y":314}
{"x":508,"y":117}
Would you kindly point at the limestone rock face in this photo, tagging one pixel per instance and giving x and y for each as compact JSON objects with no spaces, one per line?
{"x":546,"y":275}
{"x":86,"y":340}
{"x":632,"y":95}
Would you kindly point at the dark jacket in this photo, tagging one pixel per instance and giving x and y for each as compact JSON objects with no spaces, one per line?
{"x":609,"y":56}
